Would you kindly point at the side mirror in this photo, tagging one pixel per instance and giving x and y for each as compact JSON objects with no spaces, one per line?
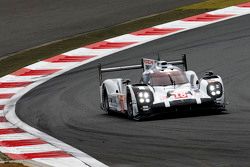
{"x":209,"y":73}
{"x":197,"y":82}
{"x":126,"y":81}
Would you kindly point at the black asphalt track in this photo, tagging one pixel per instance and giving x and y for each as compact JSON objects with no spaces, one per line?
{"x":28,"y":23}
{"x":67,"y":107}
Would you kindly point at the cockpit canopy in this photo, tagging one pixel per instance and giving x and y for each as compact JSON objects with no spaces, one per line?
{"x":166,"y":78}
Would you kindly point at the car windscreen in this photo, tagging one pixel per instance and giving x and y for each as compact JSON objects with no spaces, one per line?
{"x":167,"y":78}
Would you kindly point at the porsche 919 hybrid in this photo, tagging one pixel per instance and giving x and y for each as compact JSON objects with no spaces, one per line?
{"x":163,"y":87}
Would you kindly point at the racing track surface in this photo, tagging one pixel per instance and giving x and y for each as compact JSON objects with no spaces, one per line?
{"x":28,"y":23}
{"x":67,"y":107}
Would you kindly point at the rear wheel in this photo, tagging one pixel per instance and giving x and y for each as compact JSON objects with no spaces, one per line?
{"x":105,"y":102}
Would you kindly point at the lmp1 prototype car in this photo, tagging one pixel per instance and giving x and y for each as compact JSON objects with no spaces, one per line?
{"x":164,"y":86}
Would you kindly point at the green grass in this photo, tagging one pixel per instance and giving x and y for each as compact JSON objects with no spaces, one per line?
{"x":4,"y":157}
{"x":12,"y":164}
{"x":8,"y":163}
{"x":26,"y":57}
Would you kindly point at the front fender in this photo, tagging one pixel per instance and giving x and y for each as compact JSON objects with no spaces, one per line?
{"x":111,"y":86}
{"x":137,"y":106}
{"x":205,"y":81}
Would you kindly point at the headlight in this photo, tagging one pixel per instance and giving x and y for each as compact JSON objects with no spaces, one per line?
{"x":140,"y":94}
{"x":218,"y":92}
{"x":213,"y":93}
{"x":144,"y":97}
{"x":211,"y":87}
{"x":214,"y":89}
{"x":146,"y":94}
{"x":141,"y":100}
{"x":147,"y":100}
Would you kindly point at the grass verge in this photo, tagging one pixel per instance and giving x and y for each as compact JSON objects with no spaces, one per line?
{"x":12,"y":164}
{"x":6,"y":162}
{"x":26,"y":57}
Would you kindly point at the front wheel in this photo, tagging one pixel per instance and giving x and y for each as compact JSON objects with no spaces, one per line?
{"x":129,"y":106}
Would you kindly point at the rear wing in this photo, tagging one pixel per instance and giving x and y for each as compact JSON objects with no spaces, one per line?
{"x":112,"y":69}
{"x":182,"y":62}
{"x":145,"y":65}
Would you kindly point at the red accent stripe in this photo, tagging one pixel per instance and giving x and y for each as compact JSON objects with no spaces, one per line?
{"x":109,"y":45}
{"x":28,"y":72}
{"x":244,"y":5}
{"x":6,"y":95}
{"x":3,"y":119}
{"x":64,"y":58}
{"x":10,"y":131}
{"x":16,"y":143}
{"x":156,"y":31}
{"x":13,"y":84}
{"x":2,"y":107}
{"x":51,"y":154}
{"x":206,"y":17}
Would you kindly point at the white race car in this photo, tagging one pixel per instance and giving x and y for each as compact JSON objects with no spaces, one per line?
{"x":163,"y":87}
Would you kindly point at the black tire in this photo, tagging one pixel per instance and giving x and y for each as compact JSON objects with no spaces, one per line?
{"x":105,"y":103}
{"x":130,"y":114}
{"x":219,"y":111}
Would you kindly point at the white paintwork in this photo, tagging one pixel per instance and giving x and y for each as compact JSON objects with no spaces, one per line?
{"x":29,"y":149}
{"x":9,"y":90}
{"x":64,"y":162}
{"x":17,"y":136}
{"x":3,"y":101}
{"x":43,"y":65}
{"x":133,"y":38}
{"x":182,"y":24}
{"x":89,"y":52}
{"x":232,"y":10}
{"x":32,"y":78}
{"x":4,"y":125}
